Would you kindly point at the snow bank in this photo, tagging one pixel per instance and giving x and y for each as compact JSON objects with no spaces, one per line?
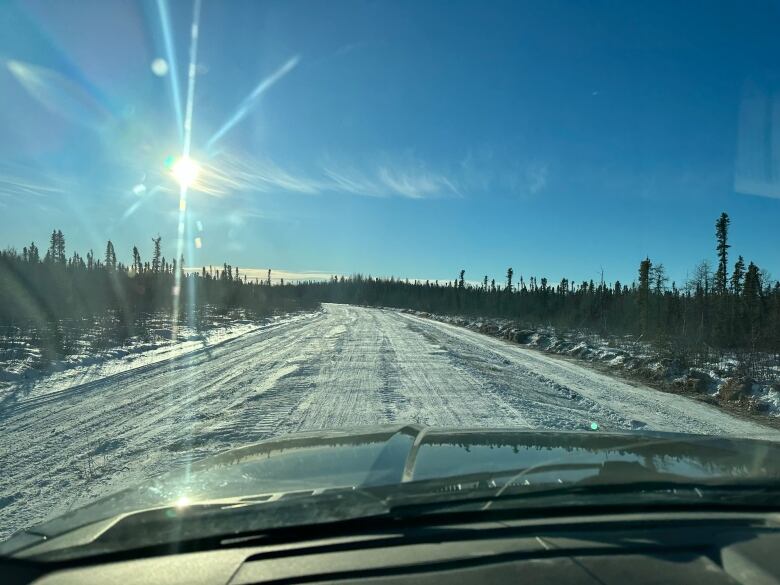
{"x":21,"y":363}
{"x":722,"y":381}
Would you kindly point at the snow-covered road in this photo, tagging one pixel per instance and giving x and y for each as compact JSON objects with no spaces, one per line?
{"x":343,"y":366}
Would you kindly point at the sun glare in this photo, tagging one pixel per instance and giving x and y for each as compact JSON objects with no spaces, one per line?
{"x":185,"y":170}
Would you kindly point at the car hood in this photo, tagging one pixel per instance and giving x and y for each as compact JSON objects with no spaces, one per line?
{"x":312,"y":463}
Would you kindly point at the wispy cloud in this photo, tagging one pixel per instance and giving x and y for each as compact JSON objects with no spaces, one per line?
{"x":228,"y":173}
{"x":349,"y":180}
{"x":15,"y":186}
{"x":400,"y":180}
{"x":416,"y":184}
{"x":484,"y":170}
{"x":404,"y":176}
{"x":389,"y":176}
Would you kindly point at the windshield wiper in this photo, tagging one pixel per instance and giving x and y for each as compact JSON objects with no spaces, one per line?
{"x":587,"y":494}
{"x":629,"y":479}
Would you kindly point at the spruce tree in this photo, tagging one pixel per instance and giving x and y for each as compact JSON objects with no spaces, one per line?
{"x":722,"y":246}
{"x":644,"y":294}
{"x":137,"y":266}
{"x":110,"y":257}
{"x":51,"y":253}
{"x":751,"y":295}
{"x":737,"y":275}
{"x":156,"y":254}
{"x":60,"y":248}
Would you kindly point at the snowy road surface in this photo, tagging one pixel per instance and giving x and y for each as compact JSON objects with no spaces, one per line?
{"x":343,"y":366}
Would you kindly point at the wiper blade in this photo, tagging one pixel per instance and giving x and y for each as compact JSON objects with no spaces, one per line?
{"x":588,"y":493}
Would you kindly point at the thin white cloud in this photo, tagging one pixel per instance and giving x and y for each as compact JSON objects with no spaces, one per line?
{"x":351,"y":181}
{"x":228,"y":173}
{"x":407,"y":177}
{"x":14,"y":186}
{"x":416,"y":184}
{"x":483,"y":170}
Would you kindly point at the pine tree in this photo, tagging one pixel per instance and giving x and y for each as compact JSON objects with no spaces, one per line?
{"x":751,"y":295}
{"x":60,"y":248}
{"x":156,"y":254}
{"x":33,"y":256}
{"x":509,"y":273}
{"x":137,"y":266}
{"x":51,"y":253}
{"x":659,"y":278}
{"x":722,"y":246}
{"x":644,"y":293}
{"x":737,"y":275}
{"x":110,"y":257}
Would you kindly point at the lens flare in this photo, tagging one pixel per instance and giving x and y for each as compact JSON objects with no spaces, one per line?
{"x":185,"y":170}
{"x":160,"y":67}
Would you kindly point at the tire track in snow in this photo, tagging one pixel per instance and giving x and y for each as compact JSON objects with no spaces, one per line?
{"x":546,"y":380}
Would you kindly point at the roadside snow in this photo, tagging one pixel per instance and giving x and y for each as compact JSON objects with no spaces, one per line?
{"x":636,"y":359}
{"x":20,"y":377}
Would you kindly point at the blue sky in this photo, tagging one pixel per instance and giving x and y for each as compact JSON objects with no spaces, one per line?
{"x":405,"y":138}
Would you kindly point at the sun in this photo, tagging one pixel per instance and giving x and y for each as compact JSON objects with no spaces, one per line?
{"x":185,"y":170}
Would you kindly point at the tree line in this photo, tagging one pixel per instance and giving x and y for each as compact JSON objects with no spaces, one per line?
{"x":52,"y":299}
{"x":735,"y":306}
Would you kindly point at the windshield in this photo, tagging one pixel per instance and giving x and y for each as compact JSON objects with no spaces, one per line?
{"x":227,"y":222}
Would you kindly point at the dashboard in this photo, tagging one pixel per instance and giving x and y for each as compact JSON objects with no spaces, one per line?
{"x":711,"y":548}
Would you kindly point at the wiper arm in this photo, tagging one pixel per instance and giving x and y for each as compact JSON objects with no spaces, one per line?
{"x":615,"y":478}
{"x":609,"y":473}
